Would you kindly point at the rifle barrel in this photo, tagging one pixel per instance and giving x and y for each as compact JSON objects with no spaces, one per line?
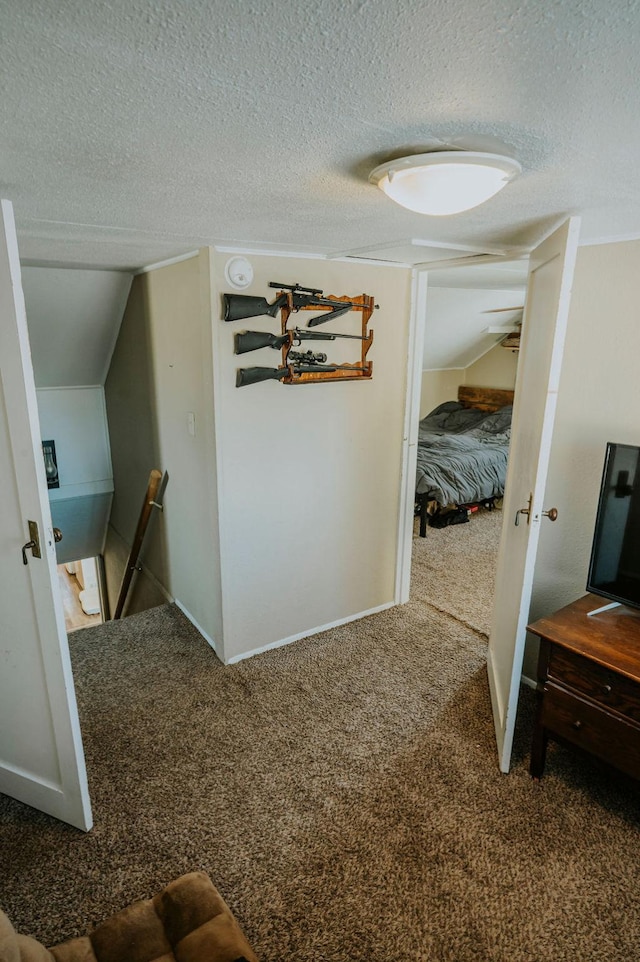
{"x":300,"y":334}
{"x":295,"y":287}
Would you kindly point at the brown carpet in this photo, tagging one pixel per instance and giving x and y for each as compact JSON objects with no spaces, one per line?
{"x":454,"y":568}
{"x":343,"y":794}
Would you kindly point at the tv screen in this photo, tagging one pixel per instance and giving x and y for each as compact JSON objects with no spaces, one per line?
{"x":614,"y":569}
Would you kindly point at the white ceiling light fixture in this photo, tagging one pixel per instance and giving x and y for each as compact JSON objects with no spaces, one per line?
{"x":444,"y":182}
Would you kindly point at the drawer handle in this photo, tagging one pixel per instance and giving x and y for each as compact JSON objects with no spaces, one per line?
{"x":606,"y":689}
{"x":577,"y":724}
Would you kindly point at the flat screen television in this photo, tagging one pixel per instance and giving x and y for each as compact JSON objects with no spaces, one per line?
{"x":614,"y":568}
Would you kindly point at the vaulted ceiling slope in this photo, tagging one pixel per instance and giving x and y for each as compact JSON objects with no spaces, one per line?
{"x":136,"y":130}
{"x":73,"y":317}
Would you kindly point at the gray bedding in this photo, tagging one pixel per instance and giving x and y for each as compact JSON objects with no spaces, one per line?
{"x":462,"y":454}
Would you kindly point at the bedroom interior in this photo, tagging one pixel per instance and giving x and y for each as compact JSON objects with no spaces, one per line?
{"x":467,"y":391}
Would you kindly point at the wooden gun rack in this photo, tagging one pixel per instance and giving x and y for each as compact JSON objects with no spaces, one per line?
{"x":366,"y":305}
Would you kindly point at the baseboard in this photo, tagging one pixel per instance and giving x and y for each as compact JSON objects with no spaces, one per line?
{"x":308,"y":633}
{"x":209,"y":640}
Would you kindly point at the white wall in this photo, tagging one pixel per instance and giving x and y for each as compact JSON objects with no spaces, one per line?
{"x":75,"y":418}
{"x":598,"y":401}
{"x":497,"y":368}
{"x":438,"y":387}
{"x":309,"y":475}
{"x":457,"y":321}
{"x":160,"y":373}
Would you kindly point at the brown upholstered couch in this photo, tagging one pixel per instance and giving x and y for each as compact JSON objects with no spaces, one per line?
{"x":186,"y":922}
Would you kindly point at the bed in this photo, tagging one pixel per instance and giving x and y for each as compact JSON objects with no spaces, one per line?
{"x":463,"y":448}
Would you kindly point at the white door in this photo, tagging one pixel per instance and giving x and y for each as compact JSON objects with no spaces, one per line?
{"x":545,"y":319}
{"x":41,"y":757}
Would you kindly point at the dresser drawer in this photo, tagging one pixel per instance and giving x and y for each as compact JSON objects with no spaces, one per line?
{"x":594,"y":729}
{"x":588,"y":678}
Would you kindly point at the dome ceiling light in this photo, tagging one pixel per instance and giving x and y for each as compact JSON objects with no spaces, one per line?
{"x":444,"y":182}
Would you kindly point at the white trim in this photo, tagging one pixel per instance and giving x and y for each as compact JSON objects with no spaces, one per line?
{"x":613,"y":239}
{"x":418,"y":242}
{"x":485,"y":249}
{"x":171,"y":260}
{"x":307,"y":255}
{"x":510,"y":254}
{"x":72,"y":265}
{"x":376,"y":262}
{"x":71,"y":387}
{"x":225,"y":536}
{"x":439,"y":370}
{"x":209,"y":640}
{"x":415,"y":352}
{"x":83,"y":489}
{"x":261,"y":252}
{"x":371,"y":248}
{"x":309,"y":633}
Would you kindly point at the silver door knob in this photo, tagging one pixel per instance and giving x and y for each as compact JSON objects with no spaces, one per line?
{"x":57,"y":535}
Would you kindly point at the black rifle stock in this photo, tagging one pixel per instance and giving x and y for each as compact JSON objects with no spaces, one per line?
{"x":247,"y":341}
{"x":239,"y":306}
{"x":254,"y":340}
{"x":252,"y":375}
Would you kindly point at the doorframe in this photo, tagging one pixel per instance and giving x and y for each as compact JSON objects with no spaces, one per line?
{"x":415,"y":351}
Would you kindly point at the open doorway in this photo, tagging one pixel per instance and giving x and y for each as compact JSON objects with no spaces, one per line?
{"x":81,"y":593}
{"x":471,"y":343}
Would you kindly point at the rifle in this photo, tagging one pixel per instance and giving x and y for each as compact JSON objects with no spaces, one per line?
{"x":252,"y":340}
{"x":240,"y":306}
{"x":252,"y":375}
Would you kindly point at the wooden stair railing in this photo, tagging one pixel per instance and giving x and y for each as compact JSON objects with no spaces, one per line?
{"x":155,"y":491}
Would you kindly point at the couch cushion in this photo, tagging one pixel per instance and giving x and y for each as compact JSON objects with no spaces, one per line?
{"x":9,"y":951}
{"x":75,"y":950}
{"x":133,"y":935}
{"x":19,"y":948}
{"x":187,"y":922}
{"x":186,"y":904}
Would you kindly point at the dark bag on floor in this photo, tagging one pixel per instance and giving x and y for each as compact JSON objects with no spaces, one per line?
{"x":457,"y":516}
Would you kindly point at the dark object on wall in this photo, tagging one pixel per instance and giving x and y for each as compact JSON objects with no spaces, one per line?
{"x":293,"y":298}
{"x":289,"y":372}
{"x":253,"y":340}
{"x":50,"y":464}
{"x":240,"y":306}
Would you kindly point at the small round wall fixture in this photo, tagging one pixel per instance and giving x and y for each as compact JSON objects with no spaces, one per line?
{"x":238,"y":272}
{"x":446,"y":181}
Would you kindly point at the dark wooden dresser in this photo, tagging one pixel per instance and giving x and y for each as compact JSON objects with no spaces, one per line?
{"x":589,"y":684}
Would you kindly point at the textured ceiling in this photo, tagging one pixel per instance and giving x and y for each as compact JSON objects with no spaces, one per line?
{"x":136,"y":130}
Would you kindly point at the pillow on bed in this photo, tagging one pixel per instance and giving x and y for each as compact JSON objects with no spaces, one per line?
{"x":498,"y":422}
